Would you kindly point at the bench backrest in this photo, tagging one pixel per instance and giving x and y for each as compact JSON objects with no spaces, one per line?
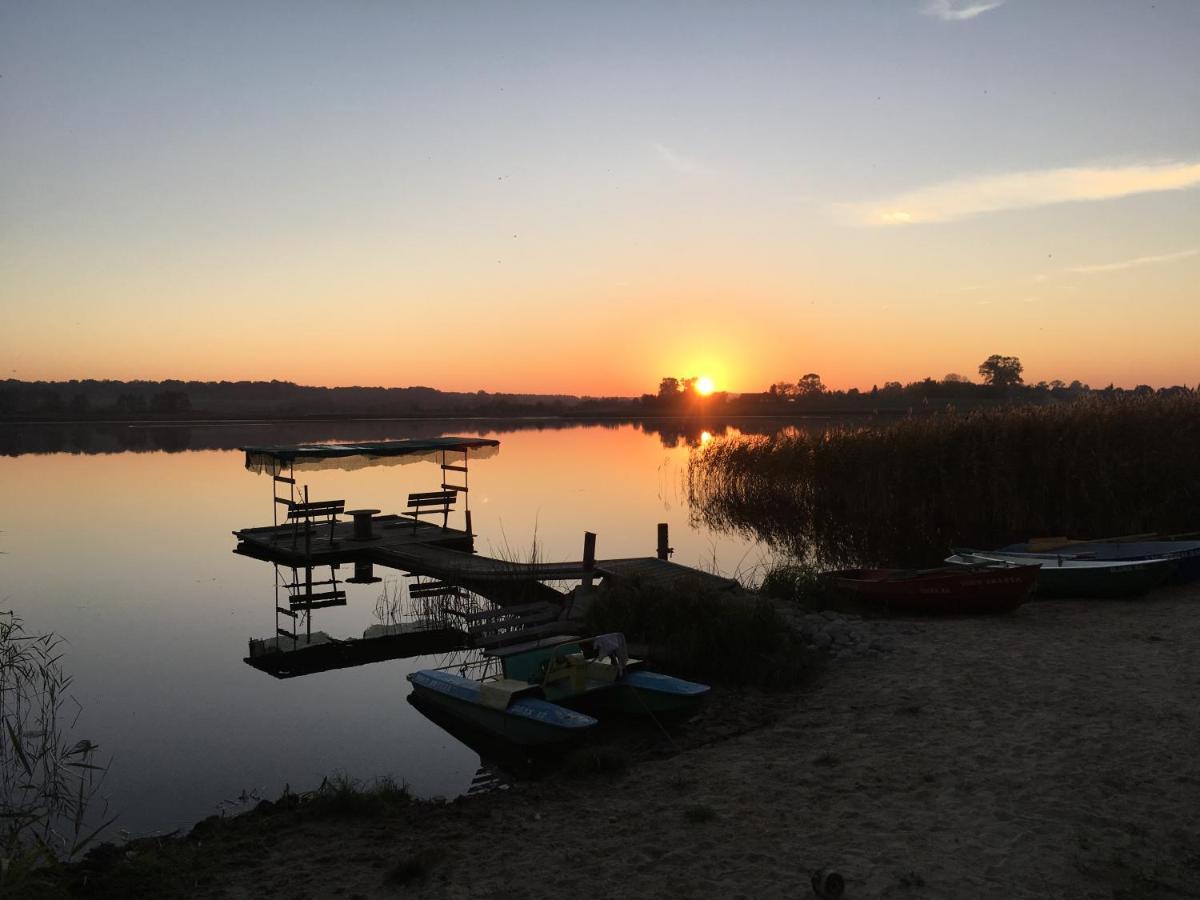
{"x":432,"y":498}
{"x":316,"y":509}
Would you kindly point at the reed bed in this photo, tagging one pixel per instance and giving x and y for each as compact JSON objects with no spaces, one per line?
{"x":905,"y":493}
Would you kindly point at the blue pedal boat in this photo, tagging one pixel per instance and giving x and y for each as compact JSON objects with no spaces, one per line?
{"x":509,"y":710}
{"x":569,"y":672}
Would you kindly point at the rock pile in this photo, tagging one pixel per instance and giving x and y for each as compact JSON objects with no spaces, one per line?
{"x":840,"y":635}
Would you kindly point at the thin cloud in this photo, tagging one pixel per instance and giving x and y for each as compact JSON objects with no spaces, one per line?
{"x":1133,"y":263}
{"x":947,"y":11}
{"x":959,"y":199}
{"x":685,"y":165}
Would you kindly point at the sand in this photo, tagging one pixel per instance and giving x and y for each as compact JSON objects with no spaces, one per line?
{"x":1054,"y":752}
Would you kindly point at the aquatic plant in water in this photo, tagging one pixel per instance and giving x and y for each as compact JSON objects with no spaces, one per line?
{"x":904,"y":493}
{"x":48,"y":783}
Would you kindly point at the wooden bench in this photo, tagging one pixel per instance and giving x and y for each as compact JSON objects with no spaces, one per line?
{"x":430,"y":503}
{"x":305,"y":515}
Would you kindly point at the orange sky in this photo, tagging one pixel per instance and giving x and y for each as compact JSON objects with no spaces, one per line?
{"x":584,"y":200}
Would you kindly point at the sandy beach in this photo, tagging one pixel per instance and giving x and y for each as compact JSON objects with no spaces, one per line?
{"x":1047,"y":753}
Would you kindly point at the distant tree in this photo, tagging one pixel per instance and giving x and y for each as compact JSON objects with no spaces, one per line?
{"x":810,"y":385}
{"x":131,"y":403}
{"x":1001,"y":371}
{"x":1143,"y":390}
{"x":80,"y":404}
{"x":668,"y":388}
{"x":51,"y":402}
{"x":170,"y":402}
{"x":955,"y":378}
{"x":1057,"y":384}
{"x":688,"y":385}
{"x":783,"y":390}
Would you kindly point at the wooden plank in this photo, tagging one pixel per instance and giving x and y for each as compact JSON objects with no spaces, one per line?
{"x":284,"y":480}
{"x":434,"y":590}
{"x":316,"y":506}
{"x":425,"y":495}
{"x":300,"y":584}
{"x":286,"y":612}
{"x":457,"y":488}
{"x":285,"y":633}
{"x":446,"y":468}
{"x":304,"y":604}
{"x":320,"y":595}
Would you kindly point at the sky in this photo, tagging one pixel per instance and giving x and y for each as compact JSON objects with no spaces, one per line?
{"x":586,"y":197}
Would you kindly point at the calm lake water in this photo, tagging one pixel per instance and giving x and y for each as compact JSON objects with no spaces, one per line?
{"x":128,"y":555}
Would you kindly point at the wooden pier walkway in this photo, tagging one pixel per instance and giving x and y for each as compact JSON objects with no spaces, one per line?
{"x":445,"y":554}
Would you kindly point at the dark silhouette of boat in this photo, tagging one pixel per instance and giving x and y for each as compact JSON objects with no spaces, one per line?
{"x":947,"y":590}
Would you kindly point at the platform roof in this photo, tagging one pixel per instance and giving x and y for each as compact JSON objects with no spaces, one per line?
{"x":274,"y":458}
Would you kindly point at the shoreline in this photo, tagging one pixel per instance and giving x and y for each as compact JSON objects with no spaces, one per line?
{"x":1051,"y":752}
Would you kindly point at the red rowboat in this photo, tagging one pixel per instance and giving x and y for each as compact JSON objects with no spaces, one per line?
{"x":949,"y":590}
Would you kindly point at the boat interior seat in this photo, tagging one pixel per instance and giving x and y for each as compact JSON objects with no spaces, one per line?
{"x":498,"y":694}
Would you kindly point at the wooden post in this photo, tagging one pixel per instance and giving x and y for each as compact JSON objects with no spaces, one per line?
{"x":664,"y":542}
{"x":589,"y":557}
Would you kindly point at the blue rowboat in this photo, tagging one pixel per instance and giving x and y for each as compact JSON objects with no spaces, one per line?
{"x":504,"y":710}
{"x":1063,"y":577}
{"x":1185,"y":553}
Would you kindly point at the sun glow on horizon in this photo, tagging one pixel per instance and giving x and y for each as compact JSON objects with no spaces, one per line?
{"x":704,"y":386}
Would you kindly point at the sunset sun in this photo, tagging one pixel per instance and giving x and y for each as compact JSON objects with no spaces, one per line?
{"x":704,"y":386}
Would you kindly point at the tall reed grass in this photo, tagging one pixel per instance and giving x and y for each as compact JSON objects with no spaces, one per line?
{"x":904,"y":493}
{"x":48,"y":784}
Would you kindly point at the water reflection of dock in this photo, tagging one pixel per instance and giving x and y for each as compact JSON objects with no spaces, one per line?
{"x":418,"y":619}
{"x":309,"y":535}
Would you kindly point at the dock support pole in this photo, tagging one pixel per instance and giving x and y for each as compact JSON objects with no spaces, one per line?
{"x":664,"y":542}
{"x":589,"y":557}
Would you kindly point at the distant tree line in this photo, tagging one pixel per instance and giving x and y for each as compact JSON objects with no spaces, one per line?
{"x":1000,"y":381}
{"x":103,"y":400}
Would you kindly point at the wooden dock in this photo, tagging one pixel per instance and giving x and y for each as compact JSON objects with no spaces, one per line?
{"x":446,"y":553}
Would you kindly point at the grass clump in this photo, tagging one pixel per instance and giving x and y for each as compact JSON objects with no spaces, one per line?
{"x":727,"y":637}
{"x":800,"y":584}
{"x":904,"y":493}
{"x":340,"y":795}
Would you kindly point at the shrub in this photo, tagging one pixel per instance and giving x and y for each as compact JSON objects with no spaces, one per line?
{"x":720,"y":636}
